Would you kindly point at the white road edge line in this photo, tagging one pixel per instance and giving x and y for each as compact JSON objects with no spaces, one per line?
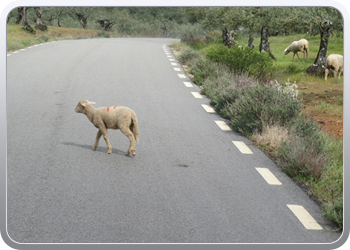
{"x":242,"y":147}
{"x":304,"y":217}
{"x":223,"y":125}
{"x":269,"y":177}
{"x":208,"y":108}
{"x":196,"y":94}
{"x":188,"y":84}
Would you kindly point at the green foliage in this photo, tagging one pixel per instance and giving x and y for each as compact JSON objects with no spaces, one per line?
{"x":103,"y":34}
{"x":192,"y":34}
{"x":241,"y":60}
{"x":203,"y":69}
{"x":188,"y":56}
{"x":334,"y":212}
{"x":255,"y":104}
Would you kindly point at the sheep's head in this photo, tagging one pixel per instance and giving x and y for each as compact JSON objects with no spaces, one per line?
{"x":286,"y":51}
{"x":82,"y":105}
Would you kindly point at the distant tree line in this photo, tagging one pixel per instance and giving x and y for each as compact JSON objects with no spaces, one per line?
{"x":191,"y":24}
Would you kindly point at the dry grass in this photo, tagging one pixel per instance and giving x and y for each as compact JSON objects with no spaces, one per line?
{"x":271,"y":138}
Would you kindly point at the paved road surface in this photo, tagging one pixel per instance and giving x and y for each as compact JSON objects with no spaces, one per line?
{"x":189,"y":183}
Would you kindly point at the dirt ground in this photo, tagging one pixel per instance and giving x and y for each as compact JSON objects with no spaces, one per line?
{"x":324,"y":102}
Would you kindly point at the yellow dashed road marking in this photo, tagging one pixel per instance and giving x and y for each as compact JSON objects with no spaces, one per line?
{"x":223,"y":125}
{"x":196,"y":95}
{"x":208,"y":108}
{"x":304,"y":217}
{"x":188,"y":84}
{"x":242,"y":147}
{"x":269,"y":177}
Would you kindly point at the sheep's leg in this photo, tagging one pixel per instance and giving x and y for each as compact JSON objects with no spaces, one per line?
{"x":340,"y":72}
{"x":127,"y":132}
{"x":326,"y":73}
{"x":298,"y":55}
{"x":98,"y":136}
{"x":336,"y":71}
{"x":105,"y":136}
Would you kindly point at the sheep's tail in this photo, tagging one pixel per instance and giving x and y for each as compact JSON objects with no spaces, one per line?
{"x":135,"y":128}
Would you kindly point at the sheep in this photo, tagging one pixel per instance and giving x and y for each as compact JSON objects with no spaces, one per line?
{"x":296,"y":46}
{"x":115,"y":117}
{"x":335,"y":62}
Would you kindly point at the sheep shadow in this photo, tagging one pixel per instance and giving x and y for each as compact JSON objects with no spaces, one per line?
{"x":101,"y":149}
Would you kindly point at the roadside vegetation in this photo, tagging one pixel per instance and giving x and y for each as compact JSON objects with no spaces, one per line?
{"x":265,"y":100}
{"x":294,"y":116}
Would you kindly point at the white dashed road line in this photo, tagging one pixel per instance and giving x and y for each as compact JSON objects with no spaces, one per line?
{"x":177,"y":69}
{"x":208,"y":108}
{"x":188,"y":84}
{"x":242,"y":147}
{"x":197,"y":95}
{"x":181,"y":75}
{"x":269,"y":177}
{"x":304,"y":217}
{"x":223,"y":125}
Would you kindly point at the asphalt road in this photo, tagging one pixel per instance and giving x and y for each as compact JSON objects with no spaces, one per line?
{"x":188,"y":183}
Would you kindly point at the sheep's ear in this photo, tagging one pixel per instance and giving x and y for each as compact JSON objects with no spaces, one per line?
{"x":91,"y":103}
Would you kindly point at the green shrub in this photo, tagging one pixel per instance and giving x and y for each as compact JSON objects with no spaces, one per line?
{"x":204,"y":68}
{"x":188,"y":56}
{"x":241,"y":60}
{"x":302,"y":158}
{"x":103,"y":34}
{"x":192,"y":34}
{"x":253,"y":104}
{"x":334,"y":212}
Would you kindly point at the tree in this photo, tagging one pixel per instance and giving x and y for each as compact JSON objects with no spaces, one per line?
{"x":106,"y":17}
{"x":22,"y":19}
{"x":264,"y":42}
{"x":318,"y":67}
{"x":322,"y":18}
{"x":82,"y":13}
{"x":39,"y":23}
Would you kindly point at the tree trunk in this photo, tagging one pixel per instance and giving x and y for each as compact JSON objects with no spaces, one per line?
{"x":106,"y":25}
{"x":264,"y":42}
{"x":59,"y":18}
{"x":39,"y":23}
{"x":22,"y":19}
{"x":318,"y":67}
{"x":21,"y":14}
{"x":250,"y":41}
{"x":228,"y":37}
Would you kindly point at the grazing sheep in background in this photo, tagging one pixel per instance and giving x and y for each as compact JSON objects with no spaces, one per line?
{"x":296,"y":46}
{"x":335,"y":62}
{"x":112,"y":117}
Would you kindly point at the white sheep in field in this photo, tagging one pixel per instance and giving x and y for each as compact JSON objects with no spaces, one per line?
{"x":116,"y":117}
{"x":296,"y":46}
{"x":335,"y":62}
